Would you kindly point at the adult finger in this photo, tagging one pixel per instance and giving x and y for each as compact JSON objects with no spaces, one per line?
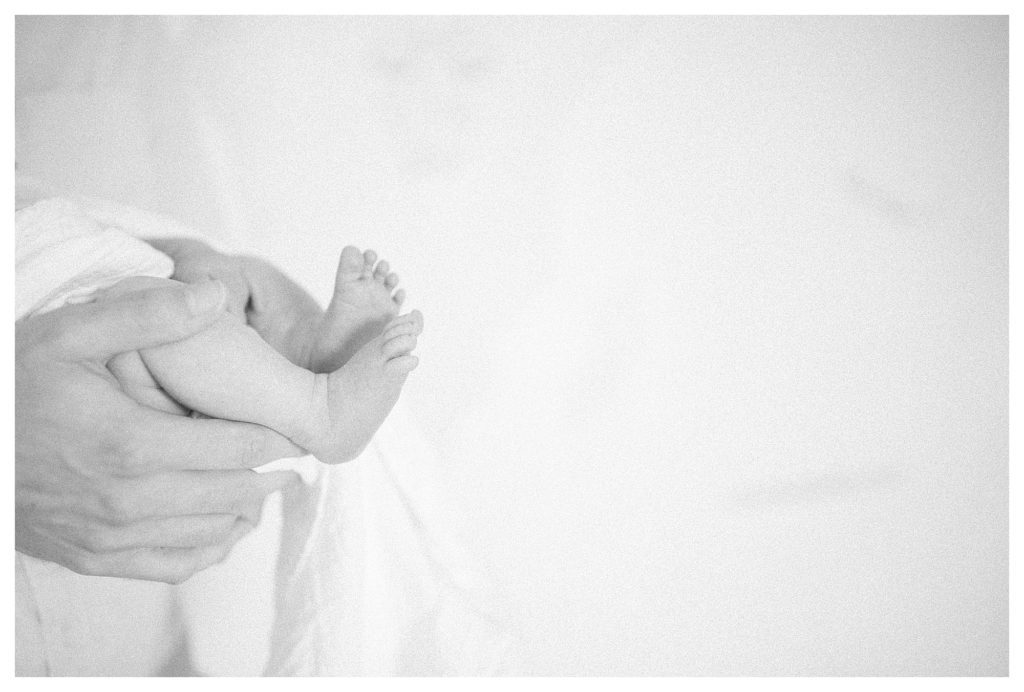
{"x":129,"y":322}
{"x":253,"y":511}
{"x":187,"y":493}
{"x":182,"y":249}
{"x":169,"y":565}
{"x":173,"y":443}
{"x":215,"y":554}
{"x":220,"y":268}
{"x":196,"y":531}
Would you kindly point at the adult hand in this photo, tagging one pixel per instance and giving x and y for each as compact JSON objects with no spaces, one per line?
{"x":279,"y":309}
{"x":105,"y":486}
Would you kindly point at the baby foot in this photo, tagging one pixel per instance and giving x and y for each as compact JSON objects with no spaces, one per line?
{"x":361,"y":393}
{"x":362,"y":304}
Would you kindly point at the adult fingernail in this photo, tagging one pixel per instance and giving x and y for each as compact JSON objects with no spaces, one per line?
{"x":207,"y":297}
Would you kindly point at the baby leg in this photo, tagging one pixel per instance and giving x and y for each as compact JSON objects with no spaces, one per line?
{"x":228,"y":371}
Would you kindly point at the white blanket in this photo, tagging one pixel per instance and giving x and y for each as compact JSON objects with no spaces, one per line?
{"x":370,"y":578}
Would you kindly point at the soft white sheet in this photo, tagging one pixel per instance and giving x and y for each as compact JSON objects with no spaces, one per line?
{"x":716,"y":307}
{"x":371,"y":578}
{"x":66,"y":623}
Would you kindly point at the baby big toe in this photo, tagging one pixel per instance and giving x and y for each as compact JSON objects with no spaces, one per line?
{"x":402,"y":365}
{"x":398,"y":346}
{"x":406,"y":327}
{"x":350,"y":265}
{"x":414,"y":318}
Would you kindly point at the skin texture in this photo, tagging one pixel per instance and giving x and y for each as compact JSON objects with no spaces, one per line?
{"x":287,"y":317}
{"x":358,"y":348}
{"x":106,"y":486}
{"x":228,"y":372}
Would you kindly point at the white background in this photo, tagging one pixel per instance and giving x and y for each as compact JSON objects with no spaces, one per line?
{"x":716,"y":347}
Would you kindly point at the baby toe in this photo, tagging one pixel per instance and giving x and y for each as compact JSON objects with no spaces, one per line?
{"x":400,"y":328}
{"x":399,"y":346}
{"x":350,"y":264}
{"x":381,"y":272}
{"x":417,"y":319}
{"x":402,"y":365}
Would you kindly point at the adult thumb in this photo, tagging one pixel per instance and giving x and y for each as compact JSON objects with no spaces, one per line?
{"x":133,"y":321}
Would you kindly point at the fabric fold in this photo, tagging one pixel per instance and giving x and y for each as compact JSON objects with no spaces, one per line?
{"x":67,"y":623}
{"x":371,"y":579}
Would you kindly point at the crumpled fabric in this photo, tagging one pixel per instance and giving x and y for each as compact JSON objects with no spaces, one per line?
{"x":67,"y":623}
{"x":371,"y":578}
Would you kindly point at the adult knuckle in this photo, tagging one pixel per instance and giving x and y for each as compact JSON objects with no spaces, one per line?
{"x":117,"y":505}
{"x":123,"y":453}
{"x":250,"y":449}
{"x":123,"y":449}
{"x":98,"y":539}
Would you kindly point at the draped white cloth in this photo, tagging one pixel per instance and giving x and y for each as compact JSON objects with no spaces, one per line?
{"x":67,"y":623}
{"x":716,"y":307}
{"x":371,"y":578}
